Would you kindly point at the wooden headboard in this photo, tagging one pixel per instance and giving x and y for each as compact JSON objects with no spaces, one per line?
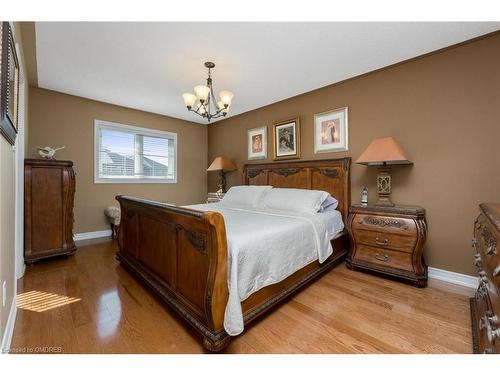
{"x":330,"y":175}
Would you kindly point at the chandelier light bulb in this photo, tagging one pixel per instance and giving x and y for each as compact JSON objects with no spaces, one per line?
{"x":226,"y":97}
{"x":189,"y":99}
{"x":202,"y":92}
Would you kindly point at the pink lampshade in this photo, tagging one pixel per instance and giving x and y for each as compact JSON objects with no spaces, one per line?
{"x":221,"y":163}
{"x":383,"y":151}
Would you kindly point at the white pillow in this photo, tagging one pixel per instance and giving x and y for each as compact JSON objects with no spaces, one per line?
{"x":245,"y":195}
{"x":298,"y":200}
{"x":329,"y":204}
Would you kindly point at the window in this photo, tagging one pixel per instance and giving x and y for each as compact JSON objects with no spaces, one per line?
{"x":128,"y":154}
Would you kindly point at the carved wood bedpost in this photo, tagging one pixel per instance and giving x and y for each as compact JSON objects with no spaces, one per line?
{"x":217,"y":288}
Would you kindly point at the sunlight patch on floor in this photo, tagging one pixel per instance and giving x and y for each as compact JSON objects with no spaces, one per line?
{"x":42,"y":301}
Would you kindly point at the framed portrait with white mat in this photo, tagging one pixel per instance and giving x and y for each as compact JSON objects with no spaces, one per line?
{"x":331,"y":131}
{"x":257,"y":143}
{"x":286,"y":139}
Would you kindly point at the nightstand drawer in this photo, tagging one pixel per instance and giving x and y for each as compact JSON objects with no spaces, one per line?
{"x":385,"y":240}
{"x":384,"y":257}
{"x":397,"y":225}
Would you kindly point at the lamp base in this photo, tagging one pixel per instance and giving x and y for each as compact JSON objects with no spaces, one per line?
{"x":222,"y":182}
{"x":384,"y":184}
{"x":384,"y":201}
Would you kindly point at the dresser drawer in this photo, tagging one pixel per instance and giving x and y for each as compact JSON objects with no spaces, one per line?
{"x":396,"y":225}
{"x":384,"y":257}
{"x":385,"y":240}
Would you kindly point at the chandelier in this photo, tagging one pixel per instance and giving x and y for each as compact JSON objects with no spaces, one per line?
{"x":202,"y":101}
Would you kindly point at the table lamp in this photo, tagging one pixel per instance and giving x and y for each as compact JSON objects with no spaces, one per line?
{"x":223,"y":165}
{"x":384,"y":152}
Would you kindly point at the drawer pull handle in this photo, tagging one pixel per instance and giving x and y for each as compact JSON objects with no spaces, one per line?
{"x":385,"y":242}
{"x":493,"y":319}
{"x":496,"y":271}
{"x":493,"y":334}
{"x":492,"y":250}
{"x":384,"y":258}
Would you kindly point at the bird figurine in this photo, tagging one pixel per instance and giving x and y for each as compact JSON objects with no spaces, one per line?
{"x":48,"y":152}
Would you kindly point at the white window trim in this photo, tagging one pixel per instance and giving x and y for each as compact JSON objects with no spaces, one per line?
{"x":123,"y":127}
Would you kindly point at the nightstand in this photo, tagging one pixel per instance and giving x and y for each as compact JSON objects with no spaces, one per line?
{"x":388,"y":241}
{"x":214,"y":197}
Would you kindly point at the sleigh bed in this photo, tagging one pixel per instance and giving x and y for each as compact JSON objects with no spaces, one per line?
{"x":181,"y":254}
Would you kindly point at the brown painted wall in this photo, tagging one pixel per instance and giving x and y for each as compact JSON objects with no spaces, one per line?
{"x":64,"y":120}
{"x":444,"y":110}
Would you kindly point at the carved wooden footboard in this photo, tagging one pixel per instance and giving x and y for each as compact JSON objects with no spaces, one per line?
{"x":182,"y":255}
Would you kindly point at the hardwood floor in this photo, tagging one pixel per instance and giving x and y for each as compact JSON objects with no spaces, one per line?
{"x":88,"y":303}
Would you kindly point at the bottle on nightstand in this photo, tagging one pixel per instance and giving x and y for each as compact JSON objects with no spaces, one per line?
{"x":364,"y":196}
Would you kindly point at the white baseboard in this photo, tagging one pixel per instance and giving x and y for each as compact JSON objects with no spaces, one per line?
{"x":9,"y":328}
{"x":22,"y":271}
{"x":453,"y":277}
{"x":92,"y":235}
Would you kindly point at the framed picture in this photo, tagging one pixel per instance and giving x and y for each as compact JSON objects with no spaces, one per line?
{"x":257,"y":143}
{"x":9,"y":83}
{"x":286,"y":139}
{"x":330,"y":131}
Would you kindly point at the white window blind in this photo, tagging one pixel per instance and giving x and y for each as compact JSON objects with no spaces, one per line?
{"x":127,"y":154}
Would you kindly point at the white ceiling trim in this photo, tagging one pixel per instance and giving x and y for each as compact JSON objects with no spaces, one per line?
{"x":147,"y":66}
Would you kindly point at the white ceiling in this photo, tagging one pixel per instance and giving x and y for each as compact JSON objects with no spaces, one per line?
{"x":148,"y":66}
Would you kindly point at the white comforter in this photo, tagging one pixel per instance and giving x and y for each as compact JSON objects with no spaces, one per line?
{"x":266,"y":246}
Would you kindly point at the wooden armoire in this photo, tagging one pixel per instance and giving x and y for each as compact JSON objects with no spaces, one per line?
{"x":49,"y":190}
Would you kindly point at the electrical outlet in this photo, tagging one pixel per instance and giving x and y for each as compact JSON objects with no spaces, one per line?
{"x":4,"y":293}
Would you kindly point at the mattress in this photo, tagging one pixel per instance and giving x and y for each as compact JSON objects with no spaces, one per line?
{"x":266,"y":246}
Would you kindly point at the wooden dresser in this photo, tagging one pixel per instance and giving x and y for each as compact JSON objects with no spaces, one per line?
{"x":49,"y":189}
{"x":485,"y":305}
{"x":388,"y":241}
